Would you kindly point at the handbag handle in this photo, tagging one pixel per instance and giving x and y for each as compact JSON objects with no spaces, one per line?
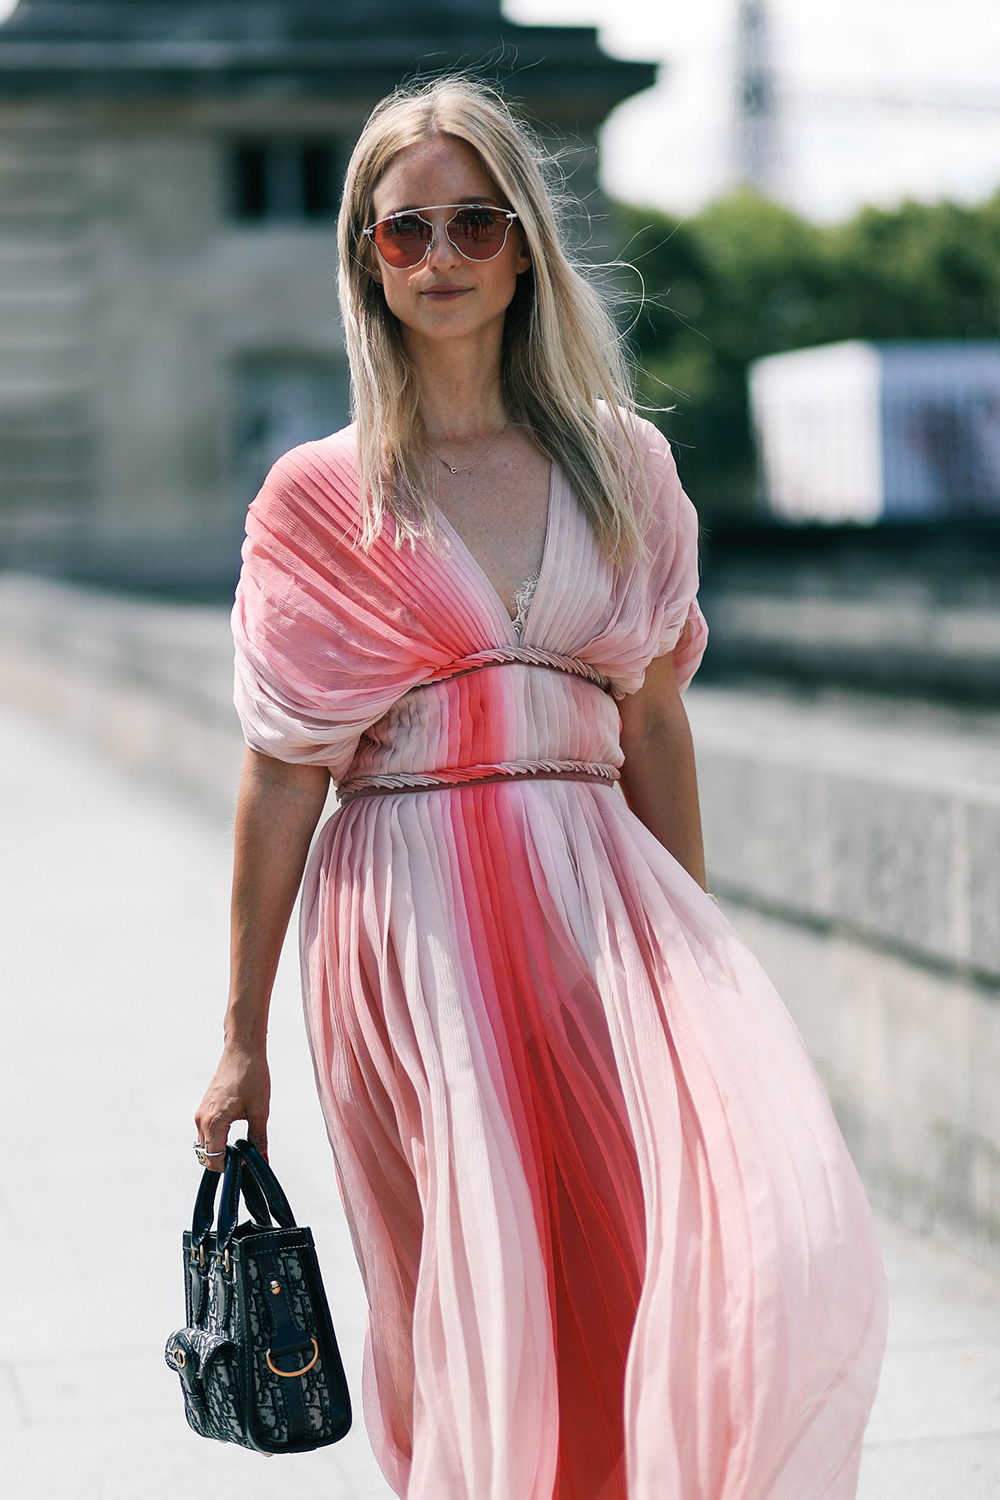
{"x":247,"y":1175}
{"x":263,"y":1178}
{"x":229,"y":1204}
{"x":204,"y":1204}
{"x":204,"y":1207}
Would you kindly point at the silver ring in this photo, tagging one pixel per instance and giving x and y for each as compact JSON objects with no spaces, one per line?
{"x":202,"y":1153}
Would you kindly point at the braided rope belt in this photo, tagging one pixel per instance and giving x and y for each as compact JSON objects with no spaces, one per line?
{"x":525,"y":656}
{"x":449,"y":777}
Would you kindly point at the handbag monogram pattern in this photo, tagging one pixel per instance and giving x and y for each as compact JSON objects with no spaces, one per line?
{"x":258,"y":1360}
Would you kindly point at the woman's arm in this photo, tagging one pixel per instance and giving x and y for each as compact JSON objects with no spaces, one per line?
{"x":276,"y":816}
{"x":658,"y":776}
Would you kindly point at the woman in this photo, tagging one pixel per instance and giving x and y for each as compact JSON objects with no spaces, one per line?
{"x":612,"y":1241}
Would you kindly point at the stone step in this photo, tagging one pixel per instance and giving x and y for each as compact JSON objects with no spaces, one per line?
{"x":43,"y":503}
{"x":38,"y":317}
{"x":32,"y":271}
{"x":39,"y":458}
{"x":32,"y":181}
{"x":25,"y":408}
{"x":29,"y":234}
{"x":46,"y":434}
{"x":40,"y":362}
{"x":42,"y":208}
{"x":909,"y":639}
{"x":47,"y":446}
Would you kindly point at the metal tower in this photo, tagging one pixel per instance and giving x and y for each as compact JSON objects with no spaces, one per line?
{"x":756,"y":145}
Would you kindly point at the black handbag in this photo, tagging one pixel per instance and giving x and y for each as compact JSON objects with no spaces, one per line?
{"x":258,"y":1361}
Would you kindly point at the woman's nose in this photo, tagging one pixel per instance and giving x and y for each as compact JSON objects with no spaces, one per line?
{"x":442,"y":251}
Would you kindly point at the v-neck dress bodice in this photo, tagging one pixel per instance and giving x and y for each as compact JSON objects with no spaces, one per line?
{"x":452,"y":685}
{"x":525,"y":592}
{"x":613,"y":1244}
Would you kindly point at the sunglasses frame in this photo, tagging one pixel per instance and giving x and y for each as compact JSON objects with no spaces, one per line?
{"x":402,"y":213}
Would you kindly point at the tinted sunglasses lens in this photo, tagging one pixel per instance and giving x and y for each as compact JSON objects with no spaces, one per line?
{"x":403,"y":241}
{"x":478,"y":233}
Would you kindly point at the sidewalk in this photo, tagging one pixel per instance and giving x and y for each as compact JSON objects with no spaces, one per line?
{"x":114,"y":904}
{"x":113,"y":915}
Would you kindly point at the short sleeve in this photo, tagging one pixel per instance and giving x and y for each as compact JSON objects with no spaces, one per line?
{"x":672,"y":539}
{"x":320,"y":656}
{"x":689,"y":647}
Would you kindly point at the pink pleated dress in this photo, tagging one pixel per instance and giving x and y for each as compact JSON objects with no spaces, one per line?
{"x":612,"y":1240}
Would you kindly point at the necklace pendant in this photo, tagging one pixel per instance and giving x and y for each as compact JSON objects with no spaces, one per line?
{"x":468,"y":468}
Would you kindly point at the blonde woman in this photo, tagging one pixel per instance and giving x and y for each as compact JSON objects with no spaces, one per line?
{"x":612,"y":1241}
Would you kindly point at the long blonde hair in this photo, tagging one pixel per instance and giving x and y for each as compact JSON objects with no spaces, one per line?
{"x":563,"y":375}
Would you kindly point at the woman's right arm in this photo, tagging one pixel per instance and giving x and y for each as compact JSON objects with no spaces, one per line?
{"x":276,"y":816}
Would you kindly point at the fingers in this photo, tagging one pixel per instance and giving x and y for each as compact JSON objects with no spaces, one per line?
{"x":213,"y":1139}
{"x":212,"y":1128}
{"x":257,"y":1133}
{"x":240,"y":1090}
{"x":214,"y":1147}
{"x":213,"y":1136}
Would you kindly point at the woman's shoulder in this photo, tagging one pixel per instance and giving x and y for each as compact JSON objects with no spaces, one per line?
{"x":636,"y":436}
{"x":650,"y":469}
{"x":315,"y":459}
{"x":312,"y":480}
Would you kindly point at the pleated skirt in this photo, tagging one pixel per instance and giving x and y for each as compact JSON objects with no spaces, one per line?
{"x":613,"y":1244}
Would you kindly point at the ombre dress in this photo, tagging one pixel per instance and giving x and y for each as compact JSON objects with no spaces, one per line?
{"x":612,"y":1240}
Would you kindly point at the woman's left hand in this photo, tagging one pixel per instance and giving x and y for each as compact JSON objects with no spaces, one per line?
{"x":240,"y":1090}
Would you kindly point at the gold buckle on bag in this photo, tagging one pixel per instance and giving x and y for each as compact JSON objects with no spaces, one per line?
{"x":291,"y":1374}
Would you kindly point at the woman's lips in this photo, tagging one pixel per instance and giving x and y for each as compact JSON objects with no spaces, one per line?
{"x":445,"y":293}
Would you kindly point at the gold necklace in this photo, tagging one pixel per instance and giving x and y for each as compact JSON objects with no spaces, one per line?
{"x":468,"y":468}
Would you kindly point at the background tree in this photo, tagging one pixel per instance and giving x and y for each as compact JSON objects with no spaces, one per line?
{"x":747,"y":277}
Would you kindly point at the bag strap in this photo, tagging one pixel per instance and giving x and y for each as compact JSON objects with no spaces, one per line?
{"x":229,"y":1204}
{"x":246,"y":1174}
{"x":255,"y":1200}
{"x":204,"y":1207}
{"x":260,"y":1173}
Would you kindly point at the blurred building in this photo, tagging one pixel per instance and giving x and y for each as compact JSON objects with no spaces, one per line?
{"x":169,"y":179}
{"x":867,"y":432}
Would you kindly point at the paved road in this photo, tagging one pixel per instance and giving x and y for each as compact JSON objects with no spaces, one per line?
{"x":113,"y":903}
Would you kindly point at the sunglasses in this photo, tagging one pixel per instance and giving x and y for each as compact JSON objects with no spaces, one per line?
{"x":477,"y":232}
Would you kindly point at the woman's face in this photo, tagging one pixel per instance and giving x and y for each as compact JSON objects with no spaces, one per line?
{"x":446,"y":296}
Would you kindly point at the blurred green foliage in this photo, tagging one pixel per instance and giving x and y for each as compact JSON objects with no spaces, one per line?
{"x":747,"y":277}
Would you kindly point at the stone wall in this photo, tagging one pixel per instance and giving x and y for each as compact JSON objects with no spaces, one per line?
{"x":901,"y":608}
{"x":149,"y":683}
{"x":168,"y":311}
{"x":856,"y":847}
{"x":132,"y":302}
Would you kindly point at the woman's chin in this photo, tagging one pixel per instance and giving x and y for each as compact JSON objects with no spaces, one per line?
{"x":447,"y":321}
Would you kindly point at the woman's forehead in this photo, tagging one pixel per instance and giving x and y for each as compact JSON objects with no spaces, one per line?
{"x":438,"y":170}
